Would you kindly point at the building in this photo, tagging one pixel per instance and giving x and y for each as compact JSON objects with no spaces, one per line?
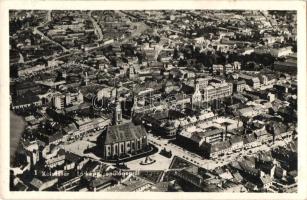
{"x":117,"y":114}
{"x":281,"y":51}
{"x":122,"y":140}
{"x":24,"y":87}
{"x":83,"y":125}
{"x":217,"y":91}
{"x":26,"y":101}
{"x":197,"y":96}
{"x":288,"y":66}
{"x":101,"y":183}
{"x":29,"y":69}
{"x":213,"y":138}
{"x":190,"y":177}
{"x":217,"y":68}
{"x":208,"y":90}
{"x":252,"y":81}
{"x":213,"y":150}
{"x":239,"y":86}
{"x":164,"y":123}
{"x":60,"y":101}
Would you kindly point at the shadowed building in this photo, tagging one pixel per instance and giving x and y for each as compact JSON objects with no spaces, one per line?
{"x":123,"y":140}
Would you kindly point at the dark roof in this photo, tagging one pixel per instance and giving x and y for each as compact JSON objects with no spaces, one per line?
{"x":220,"y":146}
{"x":90,"y":166}
{"x":100,"y":181}
{"x":124,"y":132}
{"x":265,"y":156}
{"x":249,"y":138}
{"x":236,"y":139}
{"x":55,"y":136}
{"x":27,"y":98}
{"x":72,"y":157}
{"x":61,"y":152}
{"x":21,"y":186}
{"x":250,"y":186}
{"x":278,"y":172}
{"x":196,"y":137}
{"x":160,"y":187}
{"x":25,"y":85}
{"x":278,"y":128}
{"x":219,"y":170}
{"x":187,"y":89}
{"x":248,"y":168}
{"x":287,"y":64}
{"x":160,"y":115}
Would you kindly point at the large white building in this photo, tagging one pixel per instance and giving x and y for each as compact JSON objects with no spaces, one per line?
{"x":281,"y":51}
{"x":213,"y":91}
{"x":59,"y":101}
{"x":217,"y":91}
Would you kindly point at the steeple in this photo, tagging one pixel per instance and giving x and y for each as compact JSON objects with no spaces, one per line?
{"x":86,"y":79}
{"x":117,"y":114}
{"x":196,"y":84}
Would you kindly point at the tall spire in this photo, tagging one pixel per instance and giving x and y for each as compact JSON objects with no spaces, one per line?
{"x":116,"y":94}
{"x":86,"y":79}
{"x":117,"y":114}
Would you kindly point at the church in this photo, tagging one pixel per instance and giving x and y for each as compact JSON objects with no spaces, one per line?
{"x":122,"y":140}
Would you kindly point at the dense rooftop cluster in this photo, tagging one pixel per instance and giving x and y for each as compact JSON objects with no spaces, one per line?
{"x":198,"y":100}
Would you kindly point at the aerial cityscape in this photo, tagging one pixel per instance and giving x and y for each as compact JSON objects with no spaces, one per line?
{"x":153,"y":100}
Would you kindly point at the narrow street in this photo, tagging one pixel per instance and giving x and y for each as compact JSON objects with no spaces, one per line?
{"x":37,"y":31}
{"x":97,"y":28}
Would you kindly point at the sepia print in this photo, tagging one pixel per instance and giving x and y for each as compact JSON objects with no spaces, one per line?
{"x":153,"y":100}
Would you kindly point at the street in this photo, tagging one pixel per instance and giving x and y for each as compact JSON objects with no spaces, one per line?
{"x":209,"y":164}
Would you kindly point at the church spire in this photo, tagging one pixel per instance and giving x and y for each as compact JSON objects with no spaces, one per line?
{"x":117,"y":114}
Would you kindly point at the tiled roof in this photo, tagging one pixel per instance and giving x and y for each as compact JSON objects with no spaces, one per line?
{"x":55,"y":136}
{"x":124,"y":132}
{"x":196,"y":137}
{"x":220,"y":146}
{"x":72,"y":157}
{"x":248,"y":168}
{"x":27,"y":98}
{"x":236,"y":139}
{"x":249,"y":138}
{"x":100,"y":181}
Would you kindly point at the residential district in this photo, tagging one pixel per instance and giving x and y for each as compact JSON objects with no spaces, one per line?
{"x":155,"y":100}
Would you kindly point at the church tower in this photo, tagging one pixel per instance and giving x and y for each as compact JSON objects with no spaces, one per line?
{"x":131,"y":72}
{"x":117,"y":115}
{"x":86,"y":79}
{"x":196,"y":97}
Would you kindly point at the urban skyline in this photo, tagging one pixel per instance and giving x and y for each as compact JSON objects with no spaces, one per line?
{"x":153,"y":100}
